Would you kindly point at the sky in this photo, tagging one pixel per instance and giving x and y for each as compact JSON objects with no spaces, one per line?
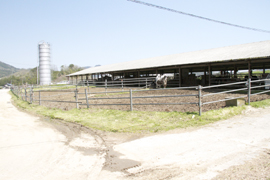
{"x":101,"y":32}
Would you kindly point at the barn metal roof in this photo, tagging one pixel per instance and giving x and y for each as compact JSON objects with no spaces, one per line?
{"x":237,"y":52}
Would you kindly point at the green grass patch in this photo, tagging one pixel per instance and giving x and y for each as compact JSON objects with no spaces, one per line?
{"x":136,"y":121}
{"x":261,"y":104}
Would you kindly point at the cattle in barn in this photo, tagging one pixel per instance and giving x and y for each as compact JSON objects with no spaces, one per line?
{"x":161,"y":81}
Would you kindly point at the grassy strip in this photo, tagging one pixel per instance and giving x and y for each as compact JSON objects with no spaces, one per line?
{"x":136,"y":121}
{"x":261,"y":104}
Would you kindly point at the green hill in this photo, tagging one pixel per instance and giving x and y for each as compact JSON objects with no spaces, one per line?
{"x":29,"y":76}
{"x":6,"y":70}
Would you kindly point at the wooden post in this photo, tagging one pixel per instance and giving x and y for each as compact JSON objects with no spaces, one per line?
{"x":86,"y":96}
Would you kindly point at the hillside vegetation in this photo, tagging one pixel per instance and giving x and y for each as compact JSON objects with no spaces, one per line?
{"x":6,"y":70}
{"x":30,"y":76}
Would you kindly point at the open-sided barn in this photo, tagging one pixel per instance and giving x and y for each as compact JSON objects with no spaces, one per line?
{"x":205,"y":67}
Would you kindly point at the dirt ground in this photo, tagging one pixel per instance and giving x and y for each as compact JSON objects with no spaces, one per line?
{"x":69,"y":96}
{"x":237,"y":148}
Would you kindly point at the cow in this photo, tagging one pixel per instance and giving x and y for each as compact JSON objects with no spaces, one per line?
{"x":161,"y":81}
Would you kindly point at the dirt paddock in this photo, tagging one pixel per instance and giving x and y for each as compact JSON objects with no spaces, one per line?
{"x":69,"y":96}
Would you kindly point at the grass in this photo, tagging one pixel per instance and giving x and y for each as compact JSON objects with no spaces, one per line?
{"x":261,"y":104}
{"x":136,"y":121}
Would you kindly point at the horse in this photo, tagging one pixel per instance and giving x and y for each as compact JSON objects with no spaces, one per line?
{"x":161,"y":81}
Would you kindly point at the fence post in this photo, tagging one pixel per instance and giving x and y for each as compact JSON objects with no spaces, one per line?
{"x":76,"y":98}
{"x":25,"y":94}
{"x":122,"y":84}
{"x":31,"y":95}
{"x":86,"y":98}
{"x":200,"y":99}
{"x":39,"y":97}
{"x":249,"y":90}
{"x":131,"y":104}
{"x":146,"y":83}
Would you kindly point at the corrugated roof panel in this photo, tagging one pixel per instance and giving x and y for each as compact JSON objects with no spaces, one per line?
{"x":243,"y":51}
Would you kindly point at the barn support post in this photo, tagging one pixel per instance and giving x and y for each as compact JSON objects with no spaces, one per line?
{"x":131,"y":104}
{"x":209,"y":75}
{"x":235,"y":71}
{"x":139,"y":85}
{"x":86,"y":97}
{"x":200,"y":99}
{"x":205,"y":75}
{"x":180,"y":77}
{"x":249,"y":90}
{"x":249,"y":70}
{"x":106,"y":86}
{"x":86,"y":79}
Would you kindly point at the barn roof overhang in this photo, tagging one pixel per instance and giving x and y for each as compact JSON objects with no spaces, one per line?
{"x":231,"y":55}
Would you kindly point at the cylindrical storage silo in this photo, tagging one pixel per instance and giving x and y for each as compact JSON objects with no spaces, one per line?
{"x":44,"y":64}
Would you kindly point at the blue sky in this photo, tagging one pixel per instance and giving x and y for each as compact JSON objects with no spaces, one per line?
{"x":91,"y":32}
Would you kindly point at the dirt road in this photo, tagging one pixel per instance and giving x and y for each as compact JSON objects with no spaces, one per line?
{"x":31,"y":148}
{"x":202,"y":153}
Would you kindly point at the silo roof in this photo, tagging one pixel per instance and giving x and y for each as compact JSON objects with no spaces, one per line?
{"x":237,"y":52}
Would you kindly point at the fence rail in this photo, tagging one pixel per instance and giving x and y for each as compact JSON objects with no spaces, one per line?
{"x":28,"y":94}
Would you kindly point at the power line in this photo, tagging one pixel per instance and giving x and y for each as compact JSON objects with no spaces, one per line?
{"x":200,"y":17}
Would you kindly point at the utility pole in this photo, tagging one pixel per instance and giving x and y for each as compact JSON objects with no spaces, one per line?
{"x":37,"y":63}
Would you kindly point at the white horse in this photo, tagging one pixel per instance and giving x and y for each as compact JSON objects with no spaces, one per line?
{"x":161,"y":81}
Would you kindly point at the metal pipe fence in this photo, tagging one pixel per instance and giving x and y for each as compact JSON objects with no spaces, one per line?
{"x":122,"y":83}
{"x":28,"y":94}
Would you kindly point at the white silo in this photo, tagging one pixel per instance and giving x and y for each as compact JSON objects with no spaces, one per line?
{"x":44,"y":63}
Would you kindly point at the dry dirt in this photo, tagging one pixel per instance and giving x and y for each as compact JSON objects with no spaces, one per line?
{"x":69,"y":96}
{"x":34,"y":148}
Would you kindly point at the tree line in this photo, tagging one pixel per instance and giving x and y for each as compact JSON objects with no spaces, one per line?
{"x":30,"y":77}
